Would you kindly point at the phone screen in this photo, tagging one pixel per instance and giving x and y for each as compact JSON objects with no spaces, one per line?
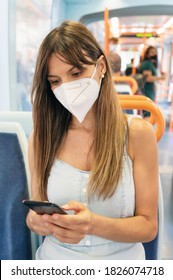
{"x":41,"y":207}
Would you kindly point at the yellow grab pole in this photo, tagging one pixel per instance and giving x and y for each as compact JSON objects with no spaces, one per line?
{"x":106,"y":25}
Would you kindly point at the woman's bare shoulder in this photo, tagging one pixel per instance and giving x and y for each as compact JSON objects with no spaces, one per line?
{"x":141,"y":136}
{"x":31,"y":143}
{"x":31,"y":136}
{"x":139,"y":126}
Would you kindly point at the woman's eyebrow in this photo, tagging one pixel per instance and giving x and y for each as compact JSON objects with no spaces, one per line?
{"x":71,"y":69}
{"x":52,"y":76}
{"x":68,"y":71}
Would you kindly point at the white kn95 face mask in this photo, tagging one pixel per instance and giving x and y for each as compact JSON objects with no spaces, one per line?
{"x":78,"y":96}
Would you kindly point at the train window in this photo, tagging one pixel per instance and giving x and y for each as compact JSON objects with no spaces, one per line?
{"x":33,"y":20}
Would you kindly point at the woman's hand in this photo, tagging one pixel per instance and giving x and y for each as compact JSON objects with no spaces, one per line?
{"x":69,"y":228}
{"x":36,"y":223}
{"x":163,"y":76}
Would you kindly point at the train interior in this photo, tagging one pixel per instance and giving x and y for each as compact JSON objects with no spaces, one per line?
{"x":135,"y":26}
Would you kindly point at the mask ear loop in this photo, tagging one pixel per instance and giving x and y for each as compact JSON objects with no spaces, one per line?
{"x":88,"y":83}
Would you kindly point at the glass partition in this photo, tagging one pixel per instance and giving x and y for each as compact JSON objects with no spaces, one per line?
{"x":32,"y":22}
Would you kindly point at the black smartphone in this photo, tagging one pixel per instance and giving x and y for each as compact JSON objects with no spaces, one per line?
{"x":42,"y":207}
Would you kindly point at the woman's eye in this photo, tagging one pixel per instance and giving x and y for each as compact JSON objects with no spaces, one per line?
{"x":76,"y":74}
{"x":56,"y":82}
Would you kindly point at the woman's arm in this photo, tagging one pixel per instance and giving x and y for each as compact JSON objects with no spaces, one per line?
{"x":140,"y":228}
{"x":150,"y":78}
{"x":33,"y":220}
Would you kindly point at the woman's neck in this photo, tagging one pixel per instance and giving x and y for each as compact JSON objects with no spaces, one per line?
{"x":87,"y":124}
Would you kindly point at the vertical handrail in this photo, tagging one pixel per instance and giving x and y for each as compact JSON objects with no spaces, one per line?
{"x":171,"y":117}
{"x":106,"y":26}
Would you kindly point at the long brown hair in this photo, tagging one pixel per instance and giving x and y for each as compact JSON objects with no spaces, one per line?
{"x":77,"y":45}
{"x":146,"y":55}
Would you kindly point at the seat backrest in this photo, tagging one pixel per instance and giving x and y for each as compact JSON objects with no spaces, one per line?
{"x":15,"y":237}
{"x":24,"y":118}
{"x":127,"y":79}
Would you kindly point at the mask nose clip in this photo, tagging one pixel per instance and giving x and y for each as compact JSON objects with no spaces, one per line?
{"x":88,"y":83}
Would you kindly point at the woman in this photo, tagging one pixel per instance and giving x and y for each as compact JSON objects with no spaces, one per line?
{"x":85,"y":155}
{"x":148,"y":68}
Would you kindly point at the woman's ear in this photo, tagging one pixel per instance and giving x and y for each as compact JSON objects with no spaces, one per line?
{"x":101,"y":64}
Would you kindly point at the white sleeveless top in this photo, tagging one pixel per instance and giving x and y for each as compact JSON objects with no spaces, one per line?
{"x":68,"y":183}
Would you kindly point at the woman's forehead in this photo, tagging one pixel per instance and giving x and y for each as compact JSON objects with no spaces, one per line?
{"x":56,"y":61}
{"x":58,"y":64}
{"x":78,"y":62}
{"x":58,"y":58}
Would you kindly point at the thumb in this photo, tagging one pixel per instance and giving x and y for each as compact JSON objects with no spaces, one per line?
{"x":74,"y":205}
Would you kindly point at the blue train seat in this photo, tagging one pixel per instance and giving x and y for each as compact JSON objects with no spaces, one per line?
{"x":15,"y":237}
{"x":23,"y":118}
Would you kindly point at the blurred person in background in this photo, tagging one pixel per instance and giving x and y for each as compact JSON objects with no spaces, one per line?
{"x":115,"y":62}
{"x":148,"y":68}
